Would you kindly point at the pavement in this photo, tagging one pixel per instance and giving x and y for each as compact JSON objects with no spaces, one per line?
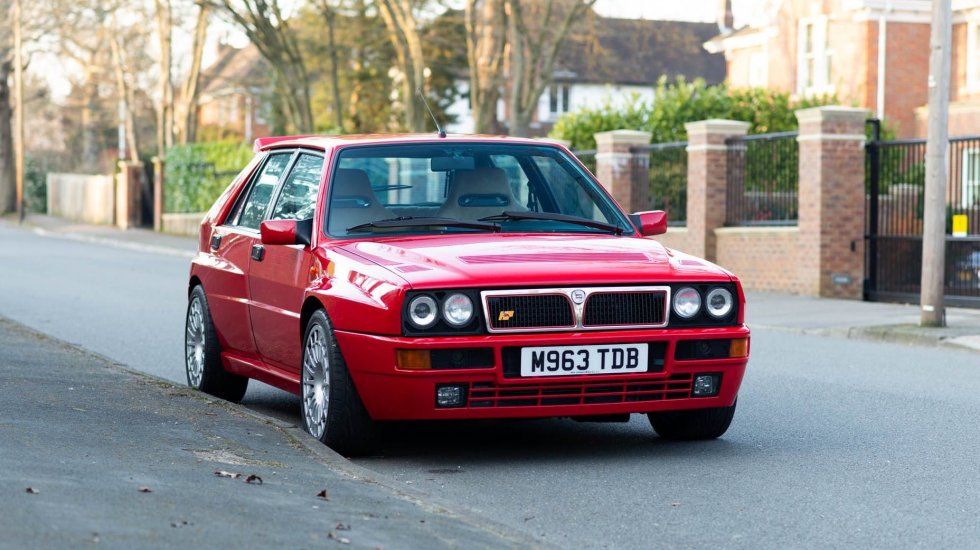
{"x":877,"y":321}
{"x":96,"y":454}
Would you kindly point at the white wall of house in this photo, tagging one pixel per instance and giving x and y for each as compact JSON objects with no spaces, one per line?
{"x":554,"y":102}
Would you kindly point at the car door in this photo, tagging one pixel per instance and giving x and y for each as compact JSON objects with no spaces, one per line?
{"x":279,"y":275}
{"x":231,"y":246}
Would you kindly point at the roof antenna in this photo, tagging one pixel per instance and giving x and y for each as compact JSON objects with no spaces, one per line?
{"x":439,"y":131}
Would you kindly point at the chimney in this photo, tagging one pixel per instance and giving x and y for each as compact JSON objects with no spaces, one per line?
{"x":726,"y":21}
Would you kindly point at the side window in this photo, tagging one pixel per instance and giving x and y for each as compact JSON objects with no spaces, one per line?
{"x":298,"y":197}
{"x":261,"y":192}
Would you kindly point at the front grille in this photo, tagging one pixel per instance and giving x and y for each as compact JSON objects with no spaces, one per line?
{"x":489,"y":395}
{"x":530,"y":311}
{"x":625,"y":308}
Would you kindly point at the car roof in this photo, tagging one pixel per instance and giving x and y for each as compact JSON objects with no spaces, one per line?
{"x":325,"y":142}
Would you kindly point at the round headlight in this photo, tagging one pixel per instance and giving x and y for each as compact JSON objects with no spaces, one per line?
{"x":687,"y":302}
{"x":422,"y":311}
{"x":719,"y":302}
{"x":457,"y":310}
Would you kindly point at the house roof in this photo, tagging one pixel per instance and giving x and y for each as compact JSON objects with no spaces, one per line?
{"x":640,"y":51}
{"x":235,"y":69}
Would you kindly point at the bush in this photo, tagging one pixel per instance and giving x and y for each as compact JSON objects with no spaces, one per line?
{"x":679,"y":102}
{"x":35,"y":186}
{"x":195,"y":174}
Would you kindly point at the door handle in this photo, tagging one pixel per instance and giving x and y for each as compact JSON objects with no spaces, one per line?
{"x":258,"y":252}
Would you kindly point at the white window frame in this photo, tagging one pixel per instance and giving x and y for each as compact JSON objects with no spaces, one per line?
{"x":973,"y":53}
{"x":970,"y":183}
{"x":820,"y":81}
{"x":564,"y":91}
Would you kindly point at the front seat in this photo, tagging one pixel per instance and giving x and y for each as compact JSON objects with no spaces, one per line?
{"x":479,"y":193}
{"x":352,"y":201}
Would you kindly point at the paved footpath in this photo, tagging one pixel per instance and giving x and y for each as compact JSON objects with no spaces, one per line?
{"x":93,"y":453}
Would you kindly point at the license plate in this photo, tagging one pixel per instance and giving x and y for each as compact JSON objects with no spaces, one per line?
{"x":573,"y":360}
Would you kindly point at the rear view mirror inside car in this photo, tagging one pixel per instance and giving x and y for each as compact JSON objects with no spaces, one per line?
{"x":445,"y":164}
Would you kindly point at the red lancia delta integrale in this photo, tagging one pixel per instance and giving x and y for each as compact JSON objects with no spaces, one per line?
{"x":417,"y":277}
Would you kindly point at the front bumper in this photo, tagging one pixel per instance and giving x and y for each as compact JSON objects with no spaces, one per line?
{"x":390,"y":393}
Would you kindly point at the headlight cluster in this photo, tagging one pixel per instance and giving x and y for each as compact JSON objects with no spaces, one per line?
{"x":456,"y":309}
{"x":718,"y":302}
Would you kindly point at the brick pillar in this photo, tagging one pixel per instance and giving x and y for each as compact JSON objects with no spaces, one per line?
{"x":832,"y":201}
{"x":707,"y":175}
{"x":615,"y":167}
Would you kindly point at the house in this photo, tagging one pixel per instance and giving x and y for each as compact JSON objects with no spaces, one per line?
{"x":870,"y":53}
{"x":235,"y":93}
{"x":620,"y":57}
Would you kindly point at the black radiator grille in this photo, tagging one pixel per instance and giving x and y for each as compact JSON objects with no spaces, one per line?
{"x":625,"y":308}
{"x":530,"y":311}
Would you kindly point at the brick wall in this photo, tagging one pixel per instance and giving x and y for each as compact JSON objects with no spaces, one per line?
{"x":763,"y":258}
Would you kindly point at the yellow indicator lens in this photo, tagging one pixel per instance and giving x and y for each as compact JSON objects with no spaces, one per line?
{"x":739,"y":348}
{"x":412,"y":359}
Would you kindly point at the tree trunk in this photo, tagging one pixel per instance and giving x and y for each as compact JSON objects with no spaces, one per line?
{"x":8,"y":180}
{"x":331,"y":16}
{"x":165,"y":108}
{"x":126,"y":96}
{"x":190,"y":91}
{"x":90,"y":106}
{"x":404,"y":36}
{"x":486,"y":43}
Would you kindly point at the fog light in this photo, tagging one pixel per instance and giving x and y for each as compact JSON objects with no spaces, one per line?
{"x":705,"y":385}
{"x":450,"y":395}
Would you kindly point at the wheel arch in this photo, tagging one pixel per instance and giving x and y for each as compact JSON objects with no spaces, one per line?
{"x":194,"y":281}
{"x":310,"y":306}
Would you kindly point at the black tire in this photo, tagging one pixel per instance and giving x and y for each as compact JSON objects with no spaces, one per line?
{"x":340,"y":421}
{"x":202,"y":353}
{"x":693,"y":424}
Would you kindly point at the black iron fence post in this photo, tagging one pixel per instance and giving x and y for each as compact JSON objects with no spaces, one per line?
{"x":873,"y":152}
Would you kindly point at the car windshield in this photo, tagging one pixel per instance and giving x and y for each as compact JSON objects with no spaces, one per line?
{"x":465,"y":187}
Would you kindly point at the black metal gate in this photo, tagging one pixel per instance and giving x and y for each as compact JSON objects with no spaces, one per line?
{"x":894,"y":184}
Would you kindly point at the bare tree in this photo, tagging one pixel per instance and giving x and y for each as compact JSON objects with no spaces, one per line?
{"x":125,"y":90}
{"x":486,"y":46}
{"x":537,"y":30}
{"x":186,"y":108}
{"x":329,"y":12}
{"x":268,"y":29}
{"x":403,"y":31}
{"x":165,"y":105}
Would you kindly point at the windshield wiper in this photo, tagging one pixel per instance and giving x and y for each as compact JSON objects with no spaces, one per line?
{"x":423,"y":221}
{"x":518,"y":216}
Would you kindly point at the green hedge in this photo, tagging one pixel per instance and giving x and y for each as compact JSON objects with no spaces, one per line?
{"x":679,"y":102}
{"x":195,"y":174}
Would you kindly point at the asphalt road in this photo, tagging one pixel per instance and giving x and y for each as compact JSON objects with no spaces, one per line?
{"x":836,"y":443}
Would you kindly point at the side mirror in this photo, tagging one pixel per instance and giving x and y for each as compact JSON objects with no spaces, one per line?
{"x":650,"y":223}
{"x":287,"y":232}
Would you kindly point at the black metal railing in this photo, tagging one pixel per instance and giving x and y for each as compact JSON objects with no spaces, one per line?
{"x":665,"y":168}
{"x":763,"y":179}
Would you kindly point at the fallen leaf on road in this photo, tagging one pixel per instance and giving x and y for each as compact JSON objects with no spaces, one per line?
{"x":232,"y":475}
{"x":675,"y":504}
{"x":254,"y":479}
{"x":145,"y":489}
{"x":323,"y":494}
{"x":342,"y":527}
{"x":33,"y":491}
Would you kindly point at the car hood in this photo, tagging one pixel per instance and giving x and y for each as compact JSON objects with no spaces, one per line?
{"x":532,"y":260}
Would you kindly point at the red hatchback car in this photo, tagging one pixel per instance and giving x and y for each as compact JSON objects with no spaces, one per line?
{"x":417,"y":277}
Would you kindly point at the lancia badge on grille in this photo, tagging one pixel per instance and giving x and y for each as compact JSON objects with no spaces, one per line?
{"x":505,"y":315}
{"x":578,"y":296}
